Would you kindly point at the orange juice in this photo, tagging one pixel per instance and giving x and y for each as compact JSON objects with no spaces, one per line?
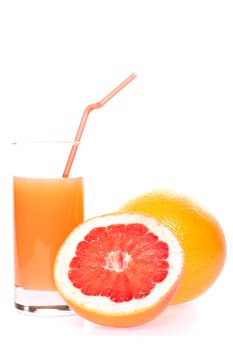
{"x":45,"y":212}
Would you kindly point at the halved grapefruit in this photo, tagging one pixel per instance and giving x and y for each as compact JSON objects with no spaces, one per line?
{"x":119,"y":270}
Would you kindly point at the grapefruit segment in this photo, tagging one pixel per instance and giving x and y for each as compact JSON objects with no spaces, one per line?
{"x":119,"y":269}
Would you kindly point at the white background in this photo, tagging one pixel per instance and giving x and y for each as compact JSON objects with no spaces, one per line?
{"x":170,"y":128}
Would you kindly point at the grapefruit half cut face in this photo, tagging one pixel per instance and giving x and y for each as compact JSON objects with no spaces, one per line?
{"x":119,"y":269}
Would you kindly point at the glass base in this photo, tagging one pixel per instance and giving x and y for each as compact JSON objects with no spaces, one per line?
{"x":41,"y":303}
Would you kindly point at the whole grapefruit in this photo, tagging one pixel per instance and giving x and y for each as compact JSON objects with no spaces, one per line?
{"x":198,"y":232}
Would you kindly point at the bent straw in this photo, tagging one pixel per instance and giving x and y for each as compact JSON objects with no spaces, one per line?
{"x":83,"y":121}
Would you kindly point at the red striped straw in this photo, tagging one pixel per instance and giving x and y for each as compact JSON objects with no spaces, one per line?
{"x":83,"y":121}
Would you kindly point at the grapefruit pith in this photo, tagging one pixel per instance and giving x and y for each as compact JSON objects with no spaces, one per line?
{"x":119,"y":269}
{"x":198,"y":232}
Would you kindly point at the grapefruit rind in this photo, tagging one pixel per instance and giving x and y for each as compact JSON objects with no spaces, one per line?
{"x":101,"y":309}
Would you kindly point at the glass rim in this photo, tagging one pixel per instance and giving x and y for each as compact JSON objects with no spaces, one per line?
{"x":48,"y":142}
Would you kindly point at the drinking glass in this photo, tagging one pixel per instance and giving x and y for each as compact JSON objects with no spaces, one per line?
{"x":47,"y":207}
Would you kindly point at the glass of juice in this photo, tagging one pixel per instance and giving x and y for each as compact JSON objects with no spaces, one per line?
{"x":47,"y":207}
